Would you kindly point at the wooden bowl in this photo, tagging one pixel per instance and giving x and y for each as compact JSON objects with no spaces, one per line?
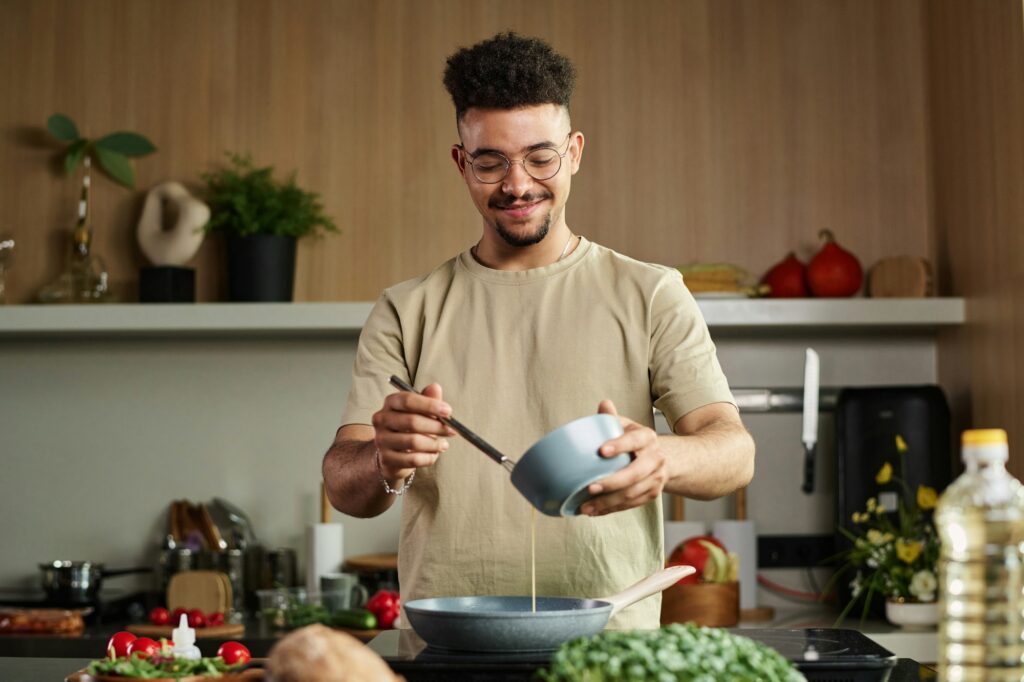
{"x":709,"y":604}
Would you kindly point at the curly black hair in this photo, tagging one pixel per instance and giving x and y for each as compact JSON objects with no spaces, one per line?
{"x":508,"y":71}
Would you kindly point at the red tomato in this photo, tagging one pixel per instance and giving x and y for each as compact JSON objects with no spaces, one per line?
{"x":178,"y":613}
{"x":196,"y":619}
{"x":234,"y":653}
{"x":117,"y":647}
{"x":691,"y":553}
{"x":214,"y":619}
{"x":144,"y":647}
{"x":386,"y":606}
{"x":160,"y":616}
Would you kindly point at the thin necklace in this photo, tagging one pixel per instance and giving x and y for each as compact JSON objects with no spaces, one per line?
{"x":565,"y":249}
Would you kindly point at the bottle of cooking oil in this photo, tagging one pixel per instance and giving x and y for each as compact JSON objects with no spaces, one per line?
{"x":980,"y":520}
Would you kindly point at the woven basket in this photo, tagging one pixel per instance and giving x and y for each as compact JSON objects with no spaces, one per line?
{"x":710,"y":604}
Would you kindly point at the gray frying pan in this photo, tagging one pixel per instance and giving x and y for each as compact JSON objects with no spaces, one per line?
{"x":508,"y":624}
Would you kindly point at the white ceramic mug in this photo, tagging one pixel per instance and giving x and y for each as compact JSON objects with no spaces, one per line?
{"x":342,"y":591}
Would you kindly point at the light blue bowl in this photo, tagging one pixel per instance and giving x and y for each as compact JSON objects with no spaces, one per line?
{"x":554,"y":474}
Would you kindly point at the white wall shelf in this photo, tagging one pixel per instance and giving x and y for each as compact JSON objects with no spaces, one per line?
{"x":857,"y":315}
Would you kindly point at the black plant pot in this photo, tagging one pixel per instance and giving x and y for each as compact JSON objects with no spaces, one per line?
{"x":261,"y":267}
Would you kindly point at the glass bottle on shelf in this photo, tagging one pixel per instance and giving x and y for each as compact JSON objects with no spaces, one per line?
{"x":84,"y":278}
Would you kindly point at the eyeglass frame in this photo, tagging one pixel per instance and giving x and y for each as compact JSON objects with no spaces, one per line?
{"x":509,"y":162}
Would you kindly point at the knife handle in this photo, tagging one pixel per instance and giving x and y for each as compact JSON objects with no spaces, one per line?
{"x":808,"y":486}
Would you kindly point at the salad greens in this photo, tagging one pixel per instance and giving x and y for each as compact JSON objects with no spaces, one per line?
{"x":160,"y":666}
{"x":675,"y":653}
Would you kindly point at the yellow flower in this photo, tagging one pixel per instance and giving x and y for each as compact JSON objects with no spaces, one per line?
{"x":901,"y":445}
{"x":908,"y":550}
{"x":875,"y":536}
{"x":926,"y":497}
{"x":884,"y":474}
{"x":871,"y":504}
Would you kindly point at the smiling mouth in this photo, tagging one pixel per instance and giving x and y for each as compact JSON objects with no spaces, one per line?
{"x":520,"y":210}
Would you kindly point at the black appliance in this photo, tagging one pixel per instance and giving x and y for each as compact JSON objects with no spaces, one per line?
{"x":867,"y":423}
{"x":821,"y":654}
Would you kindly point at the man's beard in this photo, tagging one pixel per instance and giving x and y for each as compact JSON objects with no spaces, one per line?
{"x":528,"y":239}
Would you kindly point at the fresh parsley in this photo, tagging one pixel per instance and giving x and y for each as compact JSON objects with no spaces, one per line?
{"x":675,"y":653}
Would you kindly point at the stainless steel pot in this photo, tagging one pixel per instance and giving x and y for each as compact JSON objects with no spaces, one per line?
{"x":75,"y":583}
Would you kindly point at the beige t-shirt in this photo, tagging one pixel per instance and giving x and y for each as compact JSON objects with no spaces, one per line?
{"x":518,"y":354}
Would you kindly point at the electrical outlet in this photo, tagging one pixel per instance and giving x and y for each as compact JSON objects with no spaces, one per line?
{"x":794,"y":551}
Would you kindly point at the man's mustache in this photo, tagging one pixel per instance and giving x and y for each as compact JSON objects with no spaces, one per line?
{"x":505,"y":202}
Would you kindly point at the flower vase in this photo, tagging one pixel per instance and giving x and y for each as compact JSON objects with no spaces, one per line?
{"x":912,"y":615}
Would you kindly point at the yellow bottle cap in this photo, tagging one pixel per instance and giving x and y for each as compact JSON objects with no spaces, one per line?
{"x":983,"y":437}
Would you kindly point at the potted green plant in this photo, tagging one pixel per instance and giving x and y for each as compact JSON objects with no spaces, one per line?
{"x":261,"y":218}
{"x":894,"y":555}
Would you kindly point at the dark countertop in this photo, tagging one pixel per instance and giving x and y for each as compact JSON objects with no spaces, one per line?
{"x":93,"y":644}
{"x":56,"y":669}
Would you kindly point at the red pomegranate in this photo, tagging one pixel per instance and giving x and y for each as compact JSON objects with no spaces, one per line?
{"x":690,"y":552}
{"x":834,"y":272}
{"x":787,"y":278}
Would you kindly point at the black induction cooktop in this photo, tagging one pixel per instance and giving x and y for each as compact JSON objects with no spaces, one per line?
{"x":821,"y":654}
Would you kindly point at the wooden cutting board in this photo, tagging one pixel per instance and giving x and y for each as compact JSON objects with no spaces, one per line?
{"x":225,"y":631}
{"x":208,"y":591}
{"x":372,"y":563}
{"x":901,"y":277}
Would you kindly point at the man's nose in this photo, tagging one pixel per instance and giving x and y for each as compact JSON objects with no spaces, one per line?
{"x":518,"y":181}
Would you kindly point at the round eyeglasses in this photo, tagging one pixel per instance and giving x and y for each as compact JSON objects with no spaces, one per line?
{"x":491,"y":168}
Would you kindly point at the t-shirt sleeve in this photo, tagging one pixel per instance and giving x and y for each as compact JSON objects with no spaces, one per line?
{"x":380,"y":354}
{"x":685,"y":373}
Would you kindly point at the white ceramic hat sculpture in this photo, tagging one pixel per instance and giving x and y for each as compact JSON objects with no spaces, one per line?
{"x":175,"y":244}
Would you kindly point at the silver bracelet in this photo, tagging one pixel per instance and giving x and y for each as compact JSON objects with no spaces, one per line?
{"x":387,"y":486}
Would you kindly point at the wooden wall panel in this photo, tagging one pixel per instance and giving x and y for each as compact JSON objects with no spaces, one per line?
{"x":716,"y":129}
{"x":976,"y":65}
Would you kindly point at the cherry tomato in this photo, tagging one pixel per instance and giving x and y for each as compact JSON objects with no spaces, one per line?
{"x":117,"y":647}
{"x":196,"y":619}
{"x":144,"y":647}
{"x":178,"y":613}
{"x":386,"y":606}
{"x":214,"y":619}
{"x":234,"y":653}
{"x":160,"y":616}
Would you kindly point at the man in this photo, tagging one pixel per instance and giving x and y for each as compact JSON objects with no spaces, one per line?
{"x":530,"y":328}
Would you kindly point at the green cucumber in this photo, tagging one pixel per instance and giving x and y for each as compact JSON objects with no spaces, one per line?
{"x":354,"y":619}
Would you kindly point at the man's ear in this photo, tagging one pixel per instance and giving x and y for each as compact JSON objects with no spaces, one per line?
{"x":459,"y":158}
{"x":576,"y":150}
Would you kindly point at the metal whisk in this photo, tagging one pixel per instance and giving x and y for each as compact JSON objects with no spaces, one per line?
{"x":464,"y":431}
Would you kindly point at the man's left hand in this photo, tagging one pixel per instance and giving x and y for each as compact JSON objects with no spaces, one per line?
{"x":639,"y":482}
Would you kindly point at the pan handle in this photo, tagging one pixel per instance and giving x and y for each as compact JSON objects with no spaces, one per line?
{"x":652,"y":584}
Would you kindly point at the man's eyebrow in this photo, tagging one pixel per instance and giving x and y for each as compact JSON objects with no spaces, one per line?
{"x":533,"y":147}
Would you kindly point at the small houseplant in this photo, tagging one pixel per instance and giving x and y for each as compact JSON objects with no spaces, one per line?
{"x":262,"y":218}
{"x":894,"y":555}
{"x":84,"y":278}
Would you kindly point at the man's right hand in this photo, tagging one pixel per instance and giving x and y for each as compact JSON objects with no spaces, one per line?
{"x":408,"y":433}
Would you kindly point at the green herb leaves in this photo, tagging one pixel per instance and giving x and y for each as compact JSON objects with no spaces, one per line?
{"x":159,"y":667}
{"x":246,"y":200}
{"x":675,"y":653}
{"x":111,"y":151}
